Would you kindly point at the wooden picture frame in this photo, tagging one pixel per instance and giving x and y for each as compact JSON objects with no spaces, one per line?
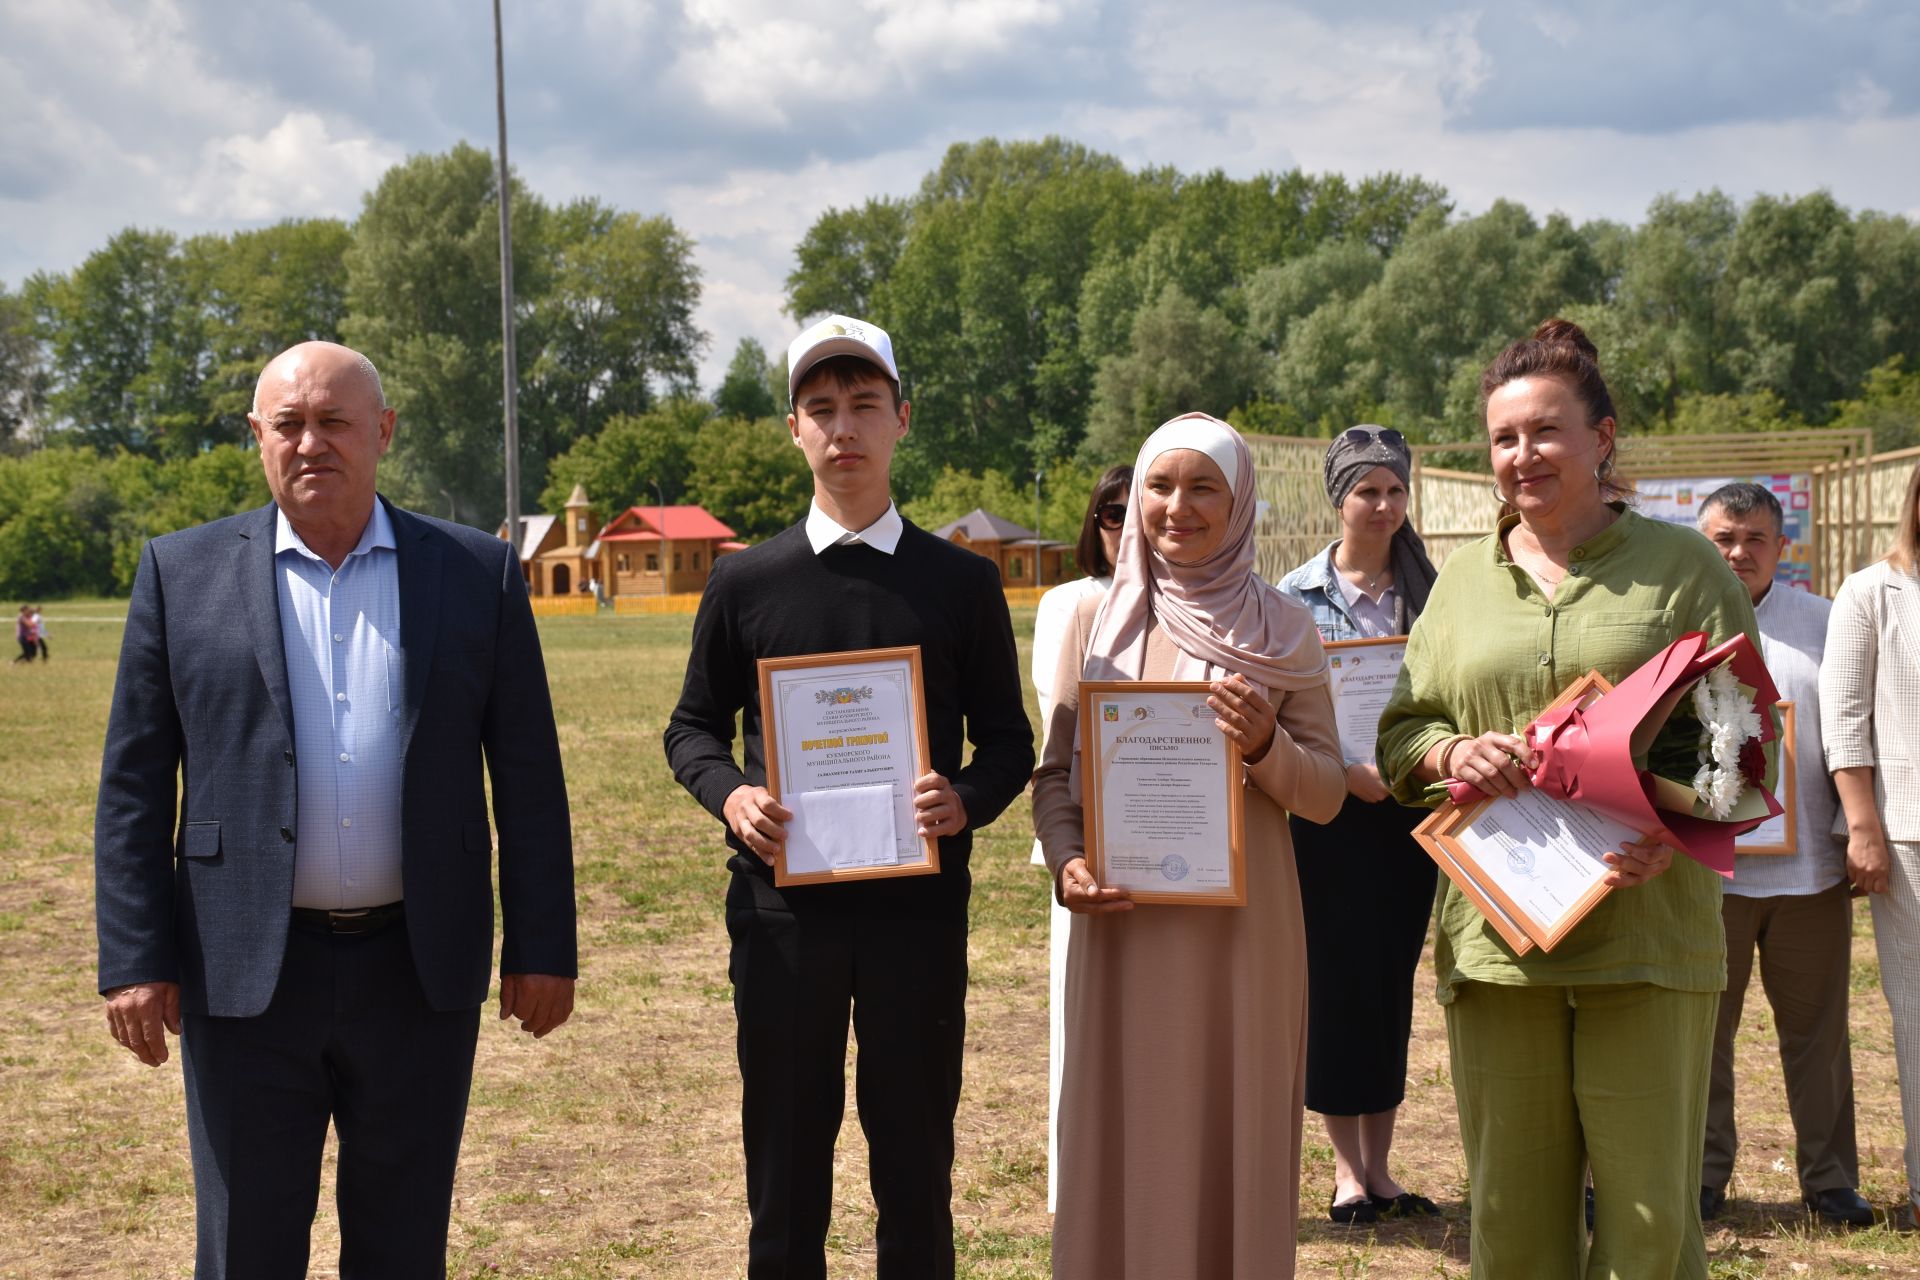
{"x":839,"y":683}
{"x":1188,"y":798}
{"x":1783,"y":791}
{"x":1440,"y":836}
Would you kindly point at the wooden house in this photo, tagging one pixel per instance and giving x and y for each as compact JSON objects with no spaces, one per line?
{"x":661,"y":550}
{"x":1020,"y":553}
{"x":556,"y":551}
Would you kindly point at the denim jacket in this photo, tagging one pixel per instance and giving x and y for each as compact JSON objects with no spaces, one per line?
{"x":1312,"y":584}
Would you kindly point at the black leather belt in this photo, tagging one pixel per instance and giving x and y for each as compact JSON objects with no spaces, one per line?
{"x":354,"y":920}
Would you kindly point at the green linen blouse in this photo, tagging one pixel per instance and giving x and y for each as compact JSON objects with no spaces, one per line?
{"x":1488,"y":653}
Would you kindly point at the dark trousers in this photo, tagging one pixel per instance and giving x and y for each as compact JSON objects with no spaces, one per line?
{"x":1366,"y":893}
{"x":1805,"y":943}
{"x":795,"y":976}
{"x":348,"y":1037}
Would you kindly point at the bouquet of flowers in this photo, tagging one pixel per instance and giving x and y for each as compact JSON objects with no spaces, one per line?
{"x":1674,"y":750}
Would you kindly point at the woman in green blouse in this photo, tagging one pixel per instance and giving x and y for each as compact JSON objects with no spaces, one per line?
{"x":1598,"y":1053}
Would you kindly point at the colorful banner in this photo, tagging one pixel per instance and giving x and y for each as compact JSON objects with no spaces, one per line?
{"x":1677,"y":500}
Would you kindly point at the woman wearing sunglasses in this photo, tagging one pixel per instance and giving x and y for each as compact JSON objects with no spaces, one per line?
{"x":1365,"y":887}
{"x":1186,"y":1025}
{"x":1099,"y":544}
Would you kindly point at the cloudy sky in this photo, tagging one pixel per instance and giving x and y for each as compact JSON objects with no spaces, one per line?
{"x":744,"y":119}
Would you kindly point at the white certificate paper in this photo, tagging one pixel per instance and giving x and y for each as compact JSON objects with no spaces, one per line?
{"x":844,"y":745}
{"x":1542,"y":856}
{"x":1361,"y":674}
{"x":1166,"y":818}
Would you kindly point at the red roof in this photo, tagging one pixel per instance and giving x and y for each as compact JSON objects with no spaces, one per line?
{"x":649,"y":524}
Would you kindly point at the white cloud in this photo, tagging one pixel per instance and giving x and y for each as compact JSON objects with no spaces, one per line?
{"x":1862,"y":96}
{"x":296,"y":168}
{"x":774,"y":60}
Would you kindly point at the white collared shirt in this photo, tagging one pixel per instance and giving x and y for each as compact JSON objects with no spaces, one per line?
{"x":824,"y":531}
{"x":341,"y":632}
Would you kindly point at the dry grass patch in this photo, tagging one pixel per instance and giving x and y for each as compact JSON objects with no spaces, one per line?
{"x":611,"y":1149}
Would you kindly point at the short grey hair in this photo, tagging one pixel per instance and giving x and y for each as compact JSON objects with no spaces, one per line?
{"x":1741,"y":499}
{"x":361,"y":364}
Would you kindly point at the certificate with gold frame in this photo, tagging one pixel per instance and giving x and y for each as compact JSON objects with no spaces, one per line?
{"x":1163,"y":792}
{"x":845,"y":736}
{"x":1780,"y":833}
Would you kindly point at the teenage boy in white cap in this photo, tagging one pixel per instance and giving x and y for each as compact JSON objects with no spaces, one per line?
{"x":852,"y":575}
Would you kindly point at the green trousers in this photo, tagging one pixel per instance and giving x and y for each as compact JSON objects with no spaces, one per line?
{"x":1552,"y":1080}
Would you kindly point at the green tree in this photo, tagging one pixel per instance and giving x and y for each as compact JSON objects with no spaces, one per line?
{"x":23,"y":377}
{"x":1888,"y":406}
{"x":613,"y":328}
{"x":1183,"y":358}
{"x":747,"y":390}
{"x":263,"y":291}
{"x":423,"y":303}
{"x":126,"y":346}
{"x":843,"y":258}
{"x":636,"y":459}
{"x":750,"y":475}
{"x":1795,"y":276}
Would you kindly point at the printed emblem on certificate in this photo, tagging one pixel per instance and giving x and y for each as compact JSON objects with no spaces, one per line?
{"x":1362,"y":674}
{"x":1781,"y":832}
{"x":845,"y":736}
{"x":1529,"y":862}
{"x":1163,"y":793}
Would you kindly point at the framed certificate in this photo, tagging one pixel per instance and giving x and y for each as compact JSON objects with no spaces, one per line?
{"x":1530,"y":863}
{"x":1780,"y":833}
{"x":1362,"y":674}
{"x":845,"y":736}
{"x":1164,"y":793}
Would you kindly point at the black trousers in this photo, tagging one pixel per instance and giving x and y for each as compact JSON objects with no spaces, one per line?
{"x":1366,"y":890}
{"x":795,"y":976}
{"x":348,"y":1037}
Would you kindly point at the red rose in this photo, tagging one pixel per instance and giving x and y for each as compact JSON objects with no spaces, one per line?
{"x":1753,"y":761}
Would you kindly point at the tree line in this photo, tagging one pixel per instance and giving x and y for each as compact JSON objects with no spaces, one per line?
{"x":1049,"y":307}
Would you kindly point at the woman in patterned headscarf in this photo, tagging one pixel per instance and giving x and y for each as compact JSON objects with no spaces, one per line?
{"x":1365,"y":886}
{"x":1180,"y":1112}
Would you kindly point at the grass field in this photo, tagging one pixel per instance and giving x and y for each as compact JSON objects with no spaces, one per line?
{"x":611,"y":1148}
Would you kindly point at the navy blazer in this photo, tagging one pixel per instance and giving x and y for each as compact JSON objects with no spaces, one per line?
{"x":194,"y":834}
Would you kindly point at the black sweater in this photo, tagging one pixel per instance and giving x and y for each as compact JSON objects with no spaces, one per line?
{"x":779,"y":599}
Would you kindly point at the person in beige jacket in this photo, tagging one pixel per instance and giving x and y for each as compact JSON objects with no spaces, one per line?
{"x":1186,"y":1025}
{"x":1869,"y":693}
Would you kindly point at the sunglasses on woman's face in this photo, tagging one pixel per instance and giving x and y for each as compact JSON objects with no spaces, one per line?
{"x":1360,"y":435}
{"x":1111,"y":515}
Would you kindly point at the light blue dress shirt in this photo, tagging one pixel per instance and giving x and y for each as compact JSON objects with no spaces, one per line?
{"x":341,"y":630}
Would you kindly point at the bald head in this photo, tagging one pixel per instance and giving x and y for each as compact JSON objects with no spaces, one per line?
{"x":342,"y":367}
{"x":322,"y":423}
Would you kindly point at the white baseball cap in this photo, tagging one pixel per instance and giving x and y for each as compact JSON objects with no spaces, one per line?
{"x":838,"y":336}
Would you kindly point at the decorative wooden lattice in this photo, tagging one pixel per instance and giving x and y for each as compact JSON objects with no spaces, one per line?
{"x":1298,"y":520}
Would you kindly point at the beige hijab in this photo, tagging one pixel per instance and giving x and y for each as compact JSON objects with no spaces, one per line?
{"x":1219,"y":614}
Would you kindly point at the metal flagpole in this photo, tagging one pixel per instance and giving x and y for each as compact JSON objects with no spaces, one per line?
{"x":509,"y":376}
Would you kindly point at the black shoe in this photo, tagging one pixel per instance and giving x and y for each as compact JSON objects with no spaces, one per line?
{"x":1404,"y":1205}
{"x":1353,"y":1213}
{"x":1842,"y":1206}
{"x":1712,"y":1201}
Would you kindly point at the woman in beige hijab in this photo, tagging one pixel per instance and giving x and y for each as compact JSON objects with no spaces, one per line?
{"x":1185,"y":1026}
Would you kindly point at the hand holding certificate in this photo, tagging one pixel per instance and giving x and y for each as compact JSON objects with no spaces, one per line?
{"x":1162,"y":792}
{"x":1584,"y":810}
{"x":846,"y":740}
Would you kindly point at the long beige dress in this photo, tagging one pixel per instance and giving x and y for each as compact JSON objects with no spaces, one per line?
{"x":1186,"y":1027}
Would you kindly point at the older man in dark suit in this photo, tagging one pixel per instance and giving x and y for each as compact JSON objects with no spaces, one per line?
{"x":293,"y":865}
